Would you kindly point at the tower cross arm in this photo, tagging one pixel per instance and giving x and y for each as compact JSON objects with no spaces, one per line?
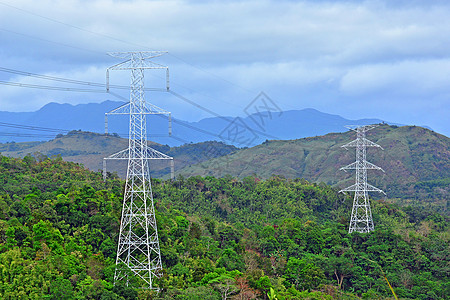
{"x":357,"y":188}
{"x":123,"y":154}
{"x":130,"y":65}
{"x":155,"y":154}
{"x":148,"y":109}
{"x":371,"y":188}
{"x":140,"y":54}
{"x":137,"y":60}
{"x":362,"y":165}
{"x":360,"y":128}
{"x":352,"y":188}
{"x":361,"y":142}
{"x":149,"y":153}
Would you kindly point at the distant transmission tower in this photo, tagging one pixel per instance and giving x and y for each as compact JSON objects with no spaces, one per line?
{"x":138,"y":251}
{"x":361,"y":220}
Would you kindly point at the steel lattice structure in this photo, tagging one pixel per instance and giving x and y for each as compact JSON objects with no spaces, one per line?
{"x":138,"y":250}
{"x":361,"y":219}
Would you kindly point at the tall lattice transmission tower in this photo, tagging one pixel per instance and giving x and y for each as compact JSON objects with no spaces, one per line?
{"x":361,"y":219}
{"x":138,"y":250}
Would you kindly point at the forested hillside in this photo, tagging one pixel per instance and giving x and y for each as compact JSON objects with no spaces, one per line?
{"x":416,"y":162}
{"x":89,"y":149}
{"x":221,"y":238}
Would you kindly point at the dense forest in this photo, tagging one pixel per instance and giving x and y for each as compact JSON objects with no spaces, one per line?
{"x":220,"y":238}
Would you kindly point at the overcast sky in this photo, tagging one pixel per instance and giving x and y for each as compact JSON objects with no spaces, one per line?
{"x":358,"y":59}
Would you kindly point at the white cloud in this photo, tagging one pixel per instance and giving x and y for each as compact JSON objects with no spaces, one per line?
{"x":321,"y":50}
{"x":237,"y":31}
{"x":409,"y":78}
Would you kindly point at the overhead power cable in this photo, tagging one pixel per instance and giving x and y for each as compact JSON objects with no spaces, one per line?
{"x":212,"y":74}
{"x":29,"y":127}
{"x":53,"y":78}
{"x":72,"y":81}
{"x":72,"y":26}
{"x":49,"y":41}
{"x":66,"y":80}
{"x":17,"y":134}
{"x":94,"y":84}
{"x":117,"y":40}
{"x":216,"y":114}
{"x":53,"y":88}
{"x":181,"y":122}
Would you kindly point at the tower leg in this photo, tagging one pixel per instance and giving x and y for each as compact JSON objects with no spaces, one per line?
{"x":361,"y":219}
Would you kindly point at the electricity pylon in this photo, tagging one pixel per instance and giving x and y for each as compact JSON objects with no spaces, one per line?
{"x":361,"y":219}
{"x":138,"y":250}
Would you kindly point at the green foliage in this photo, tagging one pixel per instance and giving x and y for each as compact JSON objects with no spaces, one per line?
{"x":221,"y":238}
{"x":416,"y":159}
{"x":303,"y":275}
{"x":90,"y":148}
{"x":231,"y":260}
{"x":271,"y":294}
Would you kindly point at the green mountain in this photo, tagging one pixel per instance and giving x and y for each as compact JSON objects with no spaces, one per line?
{"x":90,"y":148}
{"x":220,"y":238}
{"x":416,"y":162}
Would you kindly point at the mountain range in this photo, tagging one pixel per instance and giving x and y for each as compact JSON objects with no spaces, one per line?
{"x":247,"y":131}
{"x":416,"y":160}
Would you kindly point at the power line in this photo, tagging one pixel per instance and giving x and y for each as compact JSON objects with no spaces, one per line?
{"x":216,"y":114}
{"x":181,"y":122}
{"x":16,"y":134}
{"x":49,"y":41}
{"x":67,"y":80}
{"x":72,"y":26}
{"x":114,"y":94}
{"x":120,"y":97}
{"x":52,"y":88}
{"x":115,"y":39}
{"x":53,"y":78}
{"x":88,"y":83}
{"x":212,"y":74}
{"x":29,"y":127}
{"x":118,"y":40}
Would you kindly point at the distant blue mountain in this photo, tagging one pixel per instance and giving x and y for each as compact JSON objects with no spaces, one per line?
{"x":239,"y":131}
{"x":88,"y":117}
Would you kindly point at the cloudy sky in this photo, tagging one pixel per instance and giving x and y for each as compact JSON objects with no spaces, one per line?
{"x":359,"y":59}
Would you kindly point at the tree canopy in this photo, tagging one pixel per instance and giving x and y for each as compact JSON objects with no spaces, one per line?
{"x":220,"y":238}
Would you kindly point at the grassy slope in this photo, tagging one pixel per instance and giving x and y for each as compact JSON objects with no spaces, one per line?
{"x":416,"y":160}
{"x":90,"y":148}
{"x":412,"y":154}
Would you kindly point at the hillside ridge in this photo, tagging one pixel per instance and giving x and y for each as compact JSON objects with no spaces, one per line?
{"x":416,"y":160}
{"x":412,"y":155}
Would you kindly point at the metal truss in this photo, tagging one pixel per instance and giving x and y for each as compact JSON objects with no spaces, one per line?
{"x":138,"y":251}
{"x":150,"y":153}
{"x":361,"y":219}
